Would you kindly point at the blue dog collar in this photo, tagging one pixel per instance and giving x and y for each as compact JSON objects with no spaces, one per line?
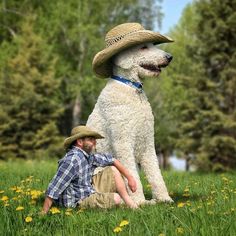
{"x":136,"y":85}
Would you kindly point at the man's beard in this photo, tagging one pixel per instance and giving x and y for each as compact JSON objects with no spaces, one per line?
{"x":89,"y":148}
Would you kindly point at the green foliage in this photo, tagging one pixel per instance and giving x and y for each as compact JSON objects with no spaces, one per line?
{"x":204,"y":70}
{"x":47,"y":49}
{"x":28,"y":96}
{"x":216,"y":103}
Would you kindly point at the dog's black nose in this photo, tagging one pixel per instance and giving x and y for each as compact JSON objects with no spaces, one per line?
{"x":169,"y":57}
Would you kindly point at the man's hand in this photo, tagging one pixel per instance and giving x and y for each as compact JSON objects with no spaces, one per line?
{"x":46,"y":206}
{"x":132,"y":184}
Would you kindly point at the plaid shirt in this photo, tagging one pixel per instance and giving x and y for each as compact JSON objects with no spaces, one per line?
{"x":73,"y":180}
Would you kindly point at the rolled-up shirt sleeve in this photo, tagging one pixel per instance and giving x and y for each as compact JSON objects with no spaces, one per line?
{"x":103,"y":160}
{"x":61,"y":180}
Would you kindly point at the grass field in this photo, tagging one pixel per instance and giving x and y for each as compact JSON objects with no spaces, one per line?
{"x":205,"y":204}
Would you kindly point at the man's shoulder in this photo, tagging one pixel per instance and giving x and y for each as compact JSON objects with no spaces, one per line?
{"x":73,"y":155}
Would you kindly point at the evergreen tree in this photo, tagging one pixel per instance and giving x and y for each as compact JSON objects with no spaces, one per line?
{"x":28,"y":97}
{"x":216,"y":51}
{"x":207,"y":121}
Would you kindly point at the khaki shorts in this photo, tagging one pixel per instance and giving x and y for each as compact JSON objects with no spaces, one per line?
{"x":104,"y":184}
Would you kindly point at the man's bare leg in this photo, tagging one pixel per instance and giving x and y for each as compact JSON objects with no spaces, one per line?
{"x":121,"y":188}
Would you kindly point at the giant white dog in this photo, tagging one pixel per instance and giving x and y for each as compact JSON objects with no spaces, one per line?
{"x":122,"y":113}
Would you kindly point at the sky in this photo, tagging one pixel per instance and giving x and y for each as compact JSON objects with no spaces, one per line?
{"x":172,"y":10}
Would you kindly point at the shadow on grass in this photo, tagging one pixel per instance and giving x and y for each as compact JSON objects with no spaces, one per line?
{"x":178,"y":197}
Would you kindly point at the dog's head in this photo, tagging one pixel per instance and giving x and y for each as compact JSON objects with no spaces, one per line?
{"x":144,"y":60}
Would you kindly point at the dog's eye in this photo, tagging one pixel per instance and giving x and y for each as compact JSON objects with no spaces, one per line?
{"x":144,"y":47}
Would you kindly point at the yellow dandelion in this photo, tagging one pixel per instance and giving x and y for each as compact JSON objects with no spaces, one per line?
{"x":124,"y":223}
{"x":14,"y":188}
{"x":186,"y":190}
{"x":179,"y":230}
{"x":19,"y":208}
{"x":181,"y":204}
{"x":54,"y":210}
{"x":35,"y":194}
{"x":117,"y":229}
{"x":4,"y":198}
{"x":2,"y":191}
{"x":68,"y":213}
{"x":19,"y":190}
{"x":6,"y":204}
{"x":28,"y":219}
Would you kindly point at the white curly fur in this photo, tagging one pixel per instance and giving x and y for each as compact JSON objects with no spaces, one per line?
{"x":124,"y":117}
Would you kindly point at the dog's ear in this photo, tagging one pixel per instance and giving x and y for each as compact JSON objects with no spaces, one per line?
{"x":123,"y":60}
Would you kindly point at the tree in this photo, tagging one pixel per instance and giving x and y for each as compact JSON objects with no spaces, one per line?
{"x":207,"y":121}
{"x":28,"y":96}
{"x":217,"y":98}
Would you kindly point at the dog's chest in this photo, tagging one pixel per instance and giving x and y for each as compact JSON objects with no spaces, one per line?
{"x":127,"y":103}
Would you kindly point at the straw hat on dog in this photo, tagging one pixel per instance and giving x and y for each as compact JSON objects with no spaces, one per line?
{"x":80,"y":132}
{"x":122,"y":37}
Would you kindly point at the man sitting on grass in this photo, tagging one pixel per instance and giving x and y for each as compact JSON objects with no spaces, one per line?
{"x":74,"y":183}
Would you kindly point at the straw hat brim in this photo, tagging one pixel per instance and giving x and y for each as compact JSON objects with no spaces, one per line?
{"x":68,"y":141}
{"x":102,"y":64}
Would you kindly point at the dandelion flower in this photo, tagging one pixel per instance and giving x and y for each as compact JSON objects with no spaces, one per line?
{"x":19,"y":208}
{"x":117,"y":229}
{"x":68,"y":213}
{"x":14,"y":188}
{"x":179,"y":230}
{"x":6,"y":204}
{"x":28,"y":219}
{"x":2,"y":191}
{"x":181,"y":204}
{"x":54,"y":210}
{"x":124,"y":223}
{"x":4,"y":198}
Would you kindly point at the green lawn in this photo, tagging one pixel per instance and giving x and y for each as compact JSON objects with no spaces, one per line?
{"x":205,"y":204}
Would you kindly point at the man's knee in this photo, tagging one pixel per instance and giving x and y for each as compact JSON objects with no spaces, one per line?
{"x":117,"y":199}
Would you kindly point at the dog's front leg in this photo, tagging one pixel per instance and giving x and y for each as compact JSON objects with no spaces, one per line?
{"x":150,"y":166}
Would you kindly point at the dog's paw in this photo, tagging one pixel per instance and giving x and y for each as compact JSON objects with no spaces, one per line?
{"x":165,"y":199}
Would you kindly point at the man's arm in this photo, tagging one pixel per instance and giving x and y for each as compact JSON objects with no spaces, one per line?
{"x":131,"y":181}
{"x":47,"y":205}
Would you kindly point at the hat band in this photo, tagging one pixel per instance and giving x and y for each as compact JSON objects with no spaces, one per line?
{"x":112,"y":40}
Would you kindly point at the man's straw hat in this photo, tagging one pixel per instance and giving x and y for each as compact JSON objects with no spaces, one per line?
{"x":80,"y":132}
{"x":122,"y":37}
